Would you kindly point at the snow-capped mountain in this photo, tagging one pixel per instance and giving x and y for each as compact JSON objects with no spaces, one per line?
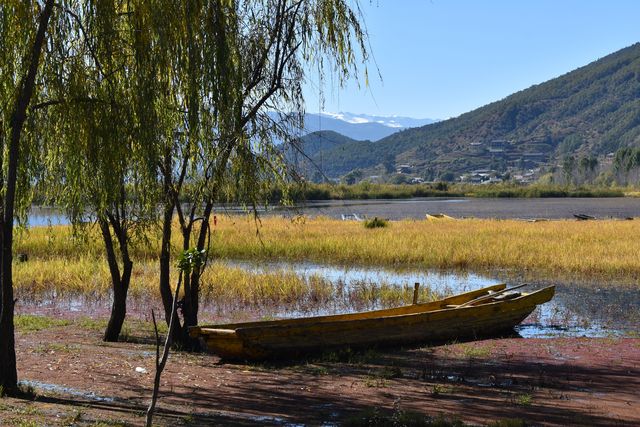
{"x":361,"y":126}
{"x":391,"y":121}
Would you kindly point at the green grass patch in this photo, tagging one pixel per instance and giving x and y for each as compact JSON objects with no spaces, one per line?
{"x":57,"y":348}
{"x":376,"y":223}
{"x":524,"y":399}
{"x":32,"y":323}
{"x":92,"y":324}
{"x":475,"y":351}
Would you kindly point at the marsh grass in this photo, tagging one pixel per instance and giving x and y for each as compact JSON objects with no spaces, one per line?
{"x":572,"y":250}
{"x":225,"y":290}
{"x":63,"y":265}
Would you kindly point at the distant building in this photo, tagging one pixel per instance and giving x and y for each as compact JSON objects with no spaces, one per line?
{"x":404,"y":169}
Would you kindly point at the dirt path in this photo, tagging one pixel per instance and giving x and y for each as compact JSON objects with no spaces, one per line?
{"x":82,"y":381}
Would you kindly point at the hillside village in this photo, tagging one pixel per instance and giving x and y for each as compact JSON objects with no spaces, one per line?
{"x":576,"y":128}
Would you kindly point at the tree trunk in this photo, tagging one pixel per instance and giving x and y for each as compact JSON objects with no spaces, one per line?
{"x":191,"y":302}
{"x":8,"y":370}
{"x":165,"y":264}
{"x":165,"y":256}
{"x":202,"y":241}
{"x":186,"y":303}
{"x":119,"y":283}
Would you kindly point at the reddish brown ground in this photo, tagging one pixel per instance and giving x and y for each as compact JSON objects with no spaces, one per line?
{"x":540,"y":381}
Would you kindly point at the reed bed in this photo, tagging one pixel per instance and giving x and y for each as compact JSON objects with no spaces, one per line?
{"x":586,"y":250}
{"x":61,"y":264}
{"x":223,"y":288}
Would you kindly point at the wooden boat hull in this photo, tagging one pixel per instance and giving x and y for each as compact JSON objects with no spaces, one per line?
{"x":429,"y":322}
{"x":438,"y":217}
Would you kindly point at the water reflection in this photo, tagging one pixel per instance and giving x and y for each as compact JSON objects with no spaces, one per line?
{"x":443,"y":282}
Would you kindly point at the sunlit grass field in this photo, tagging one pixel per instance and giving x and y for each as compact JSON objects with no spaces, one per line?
{"x":599,"y":250}
{"x":61,"y":263}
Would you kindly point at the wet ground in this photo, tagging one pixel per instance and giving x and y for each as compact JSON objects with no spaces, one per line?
{"x":82,"y":381}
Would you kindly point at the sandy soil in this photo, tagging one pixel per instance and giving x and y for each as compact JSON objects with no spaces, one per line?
{"x":560,"y":381}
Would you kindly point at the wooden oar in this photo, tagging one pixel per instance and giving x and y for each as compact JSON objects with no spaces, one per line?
{"x":492,"y":295}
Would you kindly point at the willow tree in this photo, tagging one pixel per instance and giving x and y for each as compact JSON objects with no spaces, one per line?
{"x":101,"y":166}
{"x":23,"y":29}
{"x":228,"y":67}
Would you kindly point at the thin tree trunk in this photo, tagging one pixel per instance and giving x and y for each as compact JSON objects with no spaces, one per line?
{"x":165,"y":244}
{"x":165,"y":257}
{"x":8,"y":370}
{"x":186,"y":304}
{"x":165,"y":275}
{"x":191,"y":302}
{"x":195,"y":276}
{"x":161,"y":361}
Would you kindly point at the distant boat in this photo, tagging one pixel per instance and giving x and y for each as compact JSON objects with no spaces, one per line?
{"x":480,"y":313}
{"x":583,"y":217}
{"x":352,"y":217}
{"x":437,"y":217}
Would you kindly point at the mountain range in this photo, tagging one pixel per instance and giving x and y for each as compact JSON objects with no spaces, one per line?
{"x":360,"y":126}
{"x":590,"y":112}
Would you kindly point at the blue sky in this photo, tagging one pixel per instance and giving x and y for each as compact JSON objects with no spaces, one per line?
{"x":442,"y":58}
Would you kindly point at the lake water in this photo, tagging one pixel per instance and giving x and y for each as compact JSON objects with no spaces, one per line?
{"x":548,"y":208}
{"x":43,"y":216}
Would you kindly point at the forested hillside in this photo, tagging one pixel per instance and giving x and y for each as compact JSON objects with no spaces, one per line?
{"x":584,"y":114}
{"x":308,"y":158}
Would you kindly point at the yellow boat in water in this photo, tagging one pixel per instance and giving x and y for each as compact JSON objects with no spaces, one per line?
{"x":480,"y":313}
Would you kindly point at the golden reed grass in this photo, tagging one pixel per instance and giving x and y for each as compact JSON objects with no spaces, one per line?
{"x":607,"y":249}
{"x":592,"y":250}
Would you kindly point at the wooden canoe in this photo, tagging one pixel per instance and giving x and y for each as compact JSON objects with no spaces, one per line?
{"x":438,"y":217}
{"x":469,"y":315}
